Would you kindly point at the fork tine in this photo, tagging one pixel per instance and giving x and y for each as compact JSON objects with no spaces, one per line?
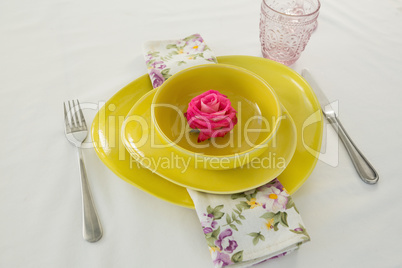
{"x":66,"y":120}
{"x":71,"y":115}
{"x":84,"y":124}
{"x":76,"y":114}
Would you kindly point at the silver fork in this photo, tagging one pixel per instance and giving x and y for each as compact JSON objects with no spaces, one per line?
{"x":76,"y":132}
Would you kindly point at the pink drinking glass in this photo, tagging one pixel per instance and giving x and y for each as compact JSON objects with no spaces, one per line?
{"x":286,"y":27}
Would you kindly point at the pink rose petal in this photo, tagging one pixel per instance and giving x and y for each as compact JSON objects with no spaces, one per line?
{"x":212,"y":114}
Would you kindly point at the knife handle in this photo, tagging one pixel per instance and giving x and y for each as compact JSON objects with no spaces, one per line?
{"x":366,"y":171}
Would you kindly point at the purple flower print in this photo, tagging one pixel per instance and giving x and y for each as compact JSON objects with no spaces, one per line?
{"x":208,"y":230}
{"x":156,"y":77}
{"x":195,"y":45}
{"x":221,"y":259}
{"x":148,"y":58}
{"x":298,"y":230}
{"x":208,"y":223}
{"x":197,"y":37}
{"x":158,"y":65}
{"x":208,"y":219}
{"x":225,"y":241}
{"x":275,"y":183}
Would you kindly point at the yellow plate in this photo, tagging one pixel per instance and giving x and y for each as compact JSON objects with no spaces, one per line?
{"x":293,"y":91}
{"x":141,"y":140}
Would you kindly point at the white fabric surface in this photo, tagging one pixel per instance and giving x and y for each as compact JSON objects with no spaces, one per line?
{"x":51,"y":51}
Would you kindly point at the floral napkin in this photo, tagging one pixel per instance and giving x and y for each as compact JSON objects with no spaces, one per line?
{"x":248,"y":228}
{"x":167,"y":57}
{"x":241,"y":229}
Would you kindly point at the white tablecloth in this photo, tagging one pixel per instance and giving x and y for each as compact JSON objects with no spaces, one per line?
{"x":51,"y":51}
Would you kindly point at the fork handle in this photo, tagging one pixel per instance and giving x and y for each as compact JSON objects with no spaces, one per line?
{"x":363,"y":167}
{"x":92,"y":228}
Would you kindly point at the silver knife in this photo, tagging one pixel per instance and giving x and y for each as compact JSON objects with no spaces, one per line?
{"x":366,"y":171}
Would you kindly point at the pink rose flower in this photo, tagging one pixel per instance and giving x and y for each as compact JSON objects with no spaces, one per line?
{"x":212,"y":114}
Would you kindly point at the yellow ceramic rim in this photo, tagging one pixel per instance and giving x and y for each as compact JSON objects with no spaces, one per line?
{"x":238,"y":155}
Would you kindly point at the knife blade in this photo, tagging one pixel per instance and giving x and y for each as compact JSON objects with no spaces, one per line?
{"x":326,"y":107}
{"x":363,"y":167}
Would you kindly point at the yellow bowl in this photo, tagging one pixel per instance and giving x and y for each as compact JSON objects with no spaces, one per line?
{"x":257,"y":106}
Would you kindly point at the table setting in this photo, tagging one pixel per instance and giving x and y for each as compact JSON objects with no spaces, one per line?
{"x":212,"y":141}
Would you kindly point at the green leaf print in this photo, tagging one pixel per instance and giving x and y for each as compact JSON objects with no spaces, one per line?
{"x":191,"y":37}
{"x":169,"y":46}
{"x":291,"y":204}
{"x":255,"y":241}
{"x":211,"y":241}
{"x":215,"y":233}
{"x":209,"y":210}
{"x":218,"y":215}
{"x":166,"y":58}
{"x":237,"y":257}
{"x":150,"y":62}
{"x":216,"y":212}
{"x":279,"y":217}
{"x":302,"y":231}
{"x":165,"y":71}
{"x":243,"y":205}
{"x":236,"y":196}
{"x":228,"y":220}
{"x":233,"y":227}
{"x":257,"y":237}
{"x":212,"y":237}
{"x":217,"y":208}
{"x":268,"y":215}
{"x":284,"y":221}
{"x":253,"y":234}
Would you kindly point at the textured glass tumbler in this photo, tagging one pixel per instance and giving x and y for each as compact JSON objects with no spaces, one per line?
{"x":286,"y":27}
